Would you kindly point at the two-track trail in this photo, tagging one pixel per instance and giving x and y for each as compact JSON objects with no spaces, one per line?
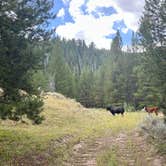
{"x":131,"y":150}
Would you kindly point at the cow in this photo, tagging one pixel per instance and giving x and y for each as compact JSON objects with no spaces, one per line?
{"x":115,"y":110}
{"x":151,"y":110}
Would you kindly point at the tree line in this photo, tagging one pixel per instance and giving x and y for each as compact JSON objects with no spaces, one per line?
{"x":97,"y":78}
{"x":31,"y":57}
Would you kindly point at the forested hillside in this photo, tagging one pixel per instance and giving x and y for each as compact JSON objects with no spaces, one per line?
{"x":34,"y":57}
{"x":96,"y":77}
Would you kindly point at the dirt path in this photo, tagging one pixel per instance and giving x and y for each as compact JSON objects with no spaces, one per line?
{"x":131,"y":150}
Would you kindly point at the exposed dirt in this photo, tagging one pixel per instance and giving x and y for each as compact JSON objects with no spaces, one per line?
{"x":132,"y":150}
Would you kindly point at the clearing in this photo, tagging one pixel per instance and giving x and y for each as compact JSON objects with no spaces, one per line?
{"x":72,"y":135}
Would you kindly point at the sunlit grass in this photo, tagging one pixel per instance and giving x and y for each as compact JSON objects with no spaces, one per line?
{"x":63,"y":117}
{"x":108,"y":158}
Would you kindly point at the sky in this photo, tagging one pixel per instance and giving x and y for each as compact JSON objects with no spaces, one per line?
{"x":97,"y":20}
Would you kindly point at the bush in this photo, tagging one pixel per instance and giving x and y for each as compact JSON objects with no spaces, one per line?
{"x":5,"y":111}
{"x":32,"y":107}
{"x":156,"y":129}
{"x":129,"y":108}
{"x":28,"y":106}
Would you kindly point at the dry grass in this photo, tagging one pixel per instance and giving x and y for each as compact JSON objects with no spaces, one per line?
{"x":108,"y":158}
{"x":63,"y":117}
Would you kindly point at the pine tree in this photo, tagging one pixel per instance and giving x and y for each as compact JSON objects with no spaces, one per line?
{"x":23,"y":23}
{"x":134,"y":42}
{"x":153,"y":24}
{"x":153,"y":38}
{"x":116,"y":45}
{"x":86,"y":88}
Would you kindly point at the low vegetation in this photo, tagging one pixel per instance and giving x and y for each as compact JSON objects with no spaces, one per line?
{"x":64,"y":118}
{"x":108,"y":158}
{"x":135,"y":145}
{"x":155,"y":129}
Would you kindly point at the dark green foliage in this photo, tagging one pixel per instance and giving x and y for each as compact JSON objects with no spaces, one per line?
{"x":94,"y":77}
{"x":29,"y":106}
{"x":32,"y":105}
{"x":65,"y":63}
{"x":106,"y":77}
{"x":40,"y":75}
{"x":23,"y":24}
{"x":58,"y":72}
{"x":5,"y":111}
{"x":153,"y":24}
{"x":86,"y":87}
{"x":153,"y":38}
{"x":102,"y":77}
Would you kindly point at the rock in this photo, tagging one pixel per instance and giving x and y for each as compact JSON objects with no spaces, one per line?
{"x":56,"y":95}
{"x":22,"y":92}
{"x":1,"y":92}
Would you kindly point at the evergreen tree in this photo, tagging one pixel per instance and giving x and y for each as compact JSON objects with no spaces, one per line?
{"x":23,"y":23}
{"x":134,"y":42}
{"x":86,"y":88}
{"x":153,"y":24}
{"x":116,"y":45}
{"x":153,"y":37}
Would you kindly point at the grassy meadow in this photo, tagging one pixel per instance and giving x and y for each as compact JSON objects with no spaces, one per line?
{"x":63,"y":117}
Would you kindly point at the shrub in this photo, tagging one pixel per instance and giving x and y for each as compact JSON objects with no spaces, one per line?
{"x":28,"y":106}
{"x":5,"y":110}
{"x":32,"y":107}
{"x":129,"y":108}
{"x":156,"y":129}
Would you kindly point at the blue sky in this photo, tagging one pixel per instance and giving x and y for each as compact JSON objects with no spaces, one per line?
{"x":97,"y":20}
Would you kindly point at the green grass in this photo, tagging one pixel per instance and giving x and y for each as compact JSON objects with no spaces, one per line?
{"x":161,"y":146}
{"x":63,"y":117}
{"x":108,"y":158}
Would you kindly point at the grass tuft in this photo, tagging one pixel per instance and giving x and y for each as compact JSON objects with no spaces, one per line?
{"x":108,"y":158}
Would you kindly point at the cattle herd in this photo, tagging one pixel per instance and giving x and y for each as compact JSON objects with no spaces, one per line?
{"x":120,"y":110}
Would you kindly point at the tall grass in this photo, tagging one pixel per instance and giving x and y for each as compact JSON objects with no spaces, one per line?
{"x":63,"y":117}
{"x":108,"y":158}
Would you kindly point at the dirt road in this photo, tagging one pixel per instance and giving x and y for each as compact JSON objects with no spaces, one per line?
{"x":131,"y":149}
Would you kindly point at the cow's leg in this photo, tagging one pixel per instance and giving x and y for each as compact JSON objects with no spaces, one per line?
{"x":156,"y":113}
{"x":113,"y":114}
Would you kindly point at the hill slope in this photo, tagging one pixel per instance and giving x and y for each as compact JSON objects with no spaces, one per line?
{"x":67,"y":122}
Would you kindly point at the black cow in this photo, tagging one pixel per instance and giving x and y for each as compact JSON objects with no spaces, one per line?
{"x":116,"y":110}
